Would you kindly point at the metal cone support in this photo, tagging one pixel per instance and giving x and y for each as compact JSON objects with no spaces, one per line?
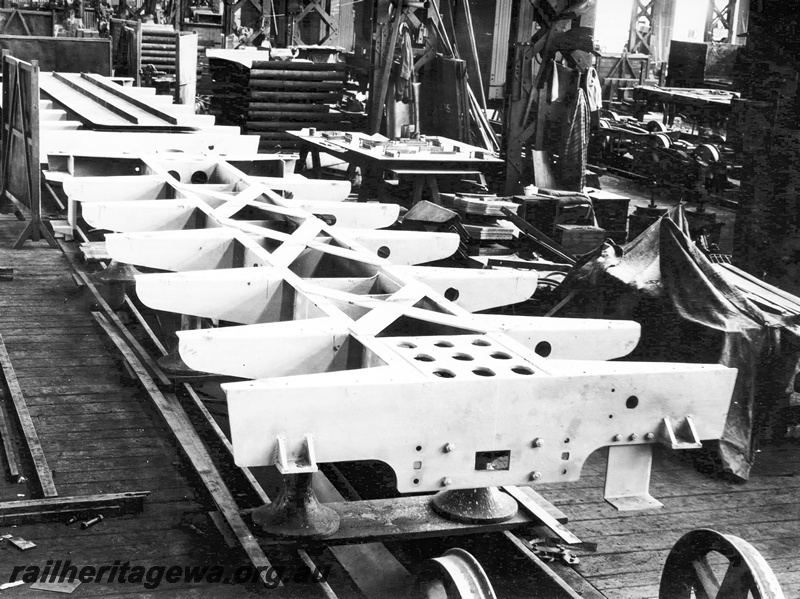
{"x":116,"y":272}
{"x":486,"y":504}
{"x":296,"y":512}
{"x":115,"y":281}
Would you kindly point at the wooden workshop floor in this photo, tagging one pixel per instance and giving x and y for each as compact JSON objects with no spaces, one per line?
{"x":632,"y":546}
{"x":98,"y":435}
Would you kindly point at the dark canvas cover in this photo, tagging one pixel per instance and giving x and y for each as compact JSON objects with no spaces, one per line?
{"x":689,"y":312}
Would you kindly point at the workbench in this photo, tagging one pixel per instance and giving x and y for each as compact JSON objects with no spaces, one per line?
{"x":706,"y":105}
{"x":423,"y":161}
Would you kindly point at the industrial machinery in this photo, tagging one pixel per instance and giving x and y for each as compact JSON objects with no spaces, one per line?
{"x":662,"y":156}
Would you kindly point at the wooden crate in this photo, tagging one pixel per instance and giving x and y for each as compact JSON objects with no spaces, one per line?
{"x":580,"y":239}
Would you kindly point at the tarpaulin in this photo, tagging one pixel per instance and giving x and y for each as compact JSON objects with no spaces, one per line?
{"x":689,"y":312}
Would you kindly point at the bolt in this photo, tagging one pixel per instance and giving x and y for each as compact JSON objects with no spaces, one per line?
{"x":633,"y":437}
{"x":536,"y":475}
{"x":537,"y":442}
{"x":448,"y":447}
{"x":447,"y":481}
{"x":617,"y":438}
{"x":649,"y":436}
{"x":92,"y":522}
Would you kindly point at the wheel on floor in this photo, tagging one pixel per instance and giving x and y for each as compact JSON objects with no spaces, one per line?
{"x":706,"y":564}
{"x":454,"y":575}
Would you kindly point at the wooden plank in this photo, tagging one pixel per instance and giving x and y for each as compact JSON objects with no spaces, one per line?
{"x":178,"y":421}
{"x":524,"y":548}
{"x":34,"y":510}
{"x":43,"y":472}
{"x":151,"y":364}
{"x":534,"y":505}
{"x":9,"y":448}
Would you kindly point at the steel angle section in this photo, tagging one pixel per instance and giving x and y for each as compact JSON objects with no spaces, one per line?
{"x":121,"y":188}
{"x":403,"y":247}
{"x":200,"y":249}
{"x":297,"y":187}
{"x":82,"y":190}
{"x":570,"y":338}
{"x":272,"y":350}
{"x":146,"y":215}
{"x":476,"y":289}
{"x":353,"y":215}
{"x":236,"y":295}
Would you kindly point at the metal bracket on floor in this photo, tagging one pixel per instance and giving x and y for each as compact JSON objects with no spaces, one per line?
{"x":628,"y":478}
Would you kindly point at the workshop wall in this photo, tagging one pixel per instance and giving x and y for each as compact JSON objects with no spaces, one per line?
{"x":767,"y":237}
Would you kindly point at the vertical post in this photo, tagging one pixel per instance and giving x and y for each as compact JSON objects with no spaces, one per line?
{"x":381,"y":79}
{"x":519,"y":100}
{"x":4,"y":134}
{"x":347,"y":26}
{"x":137,"y":44}
{"x":711,"y":14}
{"x":267,"y":12}
{"x":499,"y":66}
{"x":32,"y":148}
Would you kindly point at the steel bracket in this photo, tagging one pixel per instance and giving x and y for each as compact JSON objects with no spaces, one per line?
{"x":628,"y":478}
{"x":683,"y":437}
{"x":307,"y":464}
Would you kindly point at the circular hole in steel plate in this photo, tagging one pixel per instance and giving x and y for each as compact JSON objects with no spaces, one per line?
{"x":524,"y":370}
{"x":199,"y":178}
{"x":444,"y":373}
{"x":483,"y":371}
{"x":451,"y":294}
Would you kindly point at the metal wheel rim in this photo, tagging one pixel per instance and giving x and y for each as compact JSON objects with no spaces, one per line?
{"x":687,"y":569}
{"x":455,"y":575}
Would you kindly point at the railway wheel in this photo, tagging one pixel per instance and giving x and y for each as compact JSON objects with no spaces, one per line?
{"x":708,"y":153}
{"x":705,"y":564}
{"x":454,"y":575}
